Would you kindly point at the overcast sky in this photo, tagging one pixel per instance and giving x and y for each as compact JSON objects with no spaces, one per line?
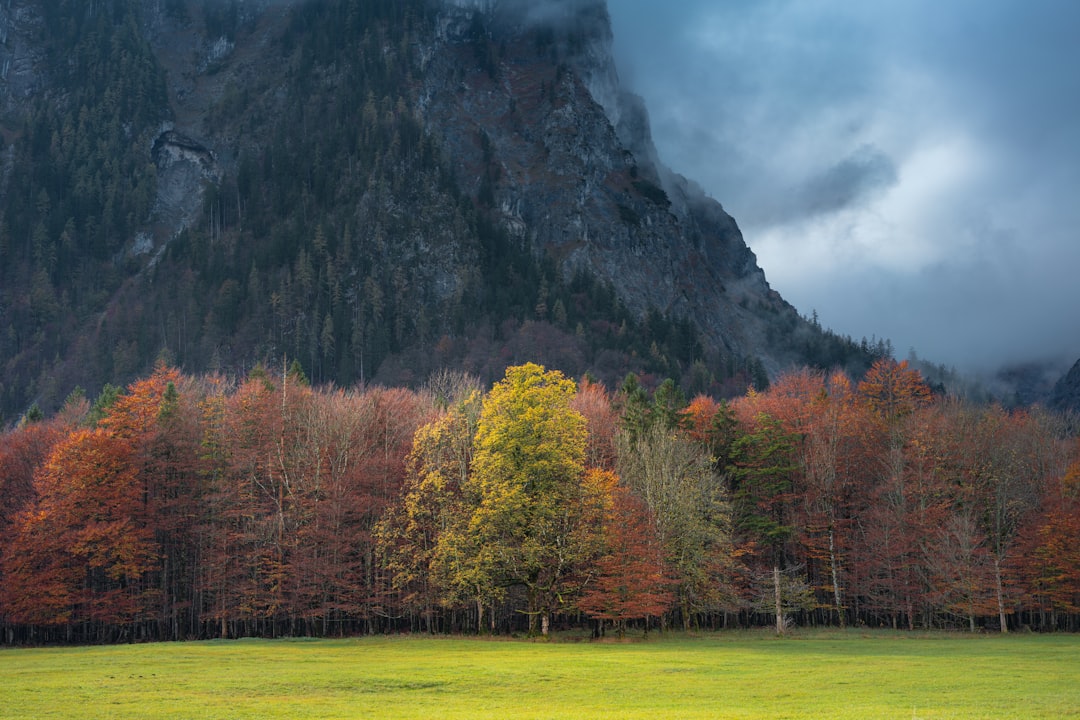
{"x":909,"y":169}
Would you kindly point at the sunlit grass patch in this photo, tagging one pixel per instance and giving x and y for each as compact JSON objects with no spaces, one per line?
{"x":728,"y":675}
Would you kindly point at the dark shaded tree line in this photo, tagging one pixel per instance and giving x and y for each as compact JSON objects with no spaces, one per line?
{"x":192,"y":507}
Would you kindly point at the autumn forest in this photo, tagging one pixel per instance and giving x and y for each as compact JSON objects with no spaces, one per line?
{"x":201,"y":506}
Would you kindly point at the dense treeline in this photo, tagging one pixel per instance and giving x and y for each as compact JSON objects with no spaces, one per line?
{"x":187,"y":507}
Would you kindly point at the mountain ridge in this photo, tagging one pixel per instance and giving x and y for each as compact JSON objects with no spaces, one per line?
{"x":372,"y":188}
{"x":625,"y":198}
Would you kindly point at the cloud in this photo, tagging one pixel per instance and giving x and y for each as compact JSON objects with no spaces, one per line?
{"x":906,"y":168}
{"x":530,"y":12}
{"x":853,"y":180}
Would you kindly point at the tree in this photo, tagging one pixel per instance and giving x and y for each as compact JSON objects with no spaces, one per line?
{"x":902,"y":502}
{"x":340,"y":453}
{"x":1028,"y":454}
{"x":594,"y":403}
{"x":133,"y":414}
{"x":82,"y":551}
{"x":22,"y":451}
{"x":167,"y":455}
{"x":527,"y":527}
{"x":763,"y":479}
{"x":631,"y":582}
{"x":669,"y":406}
{"x":416,"y":533}
{"x":298,"y":479}
{"x":837,"y":444}
{"x":712,"y":424}
{"x":1050,"y":560}
{"x":676,"y":479}
{"x":634,"y":402}
{"x":893,"y":390}
{"x":961,"y":569}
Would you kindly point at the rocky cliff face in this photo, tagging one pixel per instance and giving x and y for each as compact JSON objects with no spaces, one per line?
{"x":21,"y":60}
{"x":1066,"y":396}
{"x":21,"y":52}
{"x":531,"y":108}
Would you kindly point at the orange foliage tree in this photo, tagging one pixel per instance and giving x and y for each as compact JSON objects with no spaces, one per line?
{"x":82,"y":552}
{"x":630,"y":582}
{"x":1049,"y":563}
{"x":900,"y":502}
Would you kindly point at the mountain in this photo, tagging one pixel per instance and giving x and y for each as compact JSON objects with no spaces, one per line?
{"x":1066,"y":395}
{"x":375,"y":188}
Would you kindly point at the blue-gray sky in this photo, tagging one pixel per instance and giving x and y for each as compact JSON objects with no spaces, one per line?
{"x":909,"y":169}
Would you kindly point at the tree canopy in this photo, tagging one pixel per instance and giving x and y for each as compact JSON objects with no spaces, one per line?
{"x":198,"y":506}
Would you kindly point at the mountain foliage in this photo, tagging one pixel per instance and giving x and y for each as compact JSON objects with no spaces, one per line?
{"x":335,"y":225}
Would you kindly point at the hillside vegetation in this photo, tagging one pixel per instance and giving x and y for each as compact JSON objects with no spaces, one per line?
{"x":217,"y":184}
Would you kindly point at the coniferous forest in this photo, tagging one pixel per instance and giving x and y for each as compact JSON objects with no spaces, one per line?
{"x":203,"y":506}
{"x":330,"y":233}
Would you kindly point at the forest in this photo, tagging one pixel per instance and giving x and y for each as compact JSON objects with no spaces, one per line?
{"x":203,"y":506}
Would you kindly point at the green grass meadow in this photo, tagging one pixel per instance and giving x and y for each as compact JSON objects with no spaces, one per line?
{"x":728,"y":675}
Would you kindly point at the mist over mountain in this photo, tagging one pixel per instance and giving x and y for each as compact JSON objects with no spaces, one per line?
{"x":903,"y":167}
{"x":375,"y":189}
{"x":1066,"y":393}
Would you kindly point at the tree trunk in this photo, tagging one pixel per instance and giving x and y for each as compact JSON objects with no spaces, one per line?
{"x":1000,"y":596}
{"x":835,"y":579}
{"x":778,"y":600}
{"x":545,"y":622}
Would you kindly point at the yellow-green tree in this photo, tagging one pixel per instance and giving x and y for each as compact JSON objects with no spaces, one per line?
{"x":419,"y":538}
{"x":532,"y":521}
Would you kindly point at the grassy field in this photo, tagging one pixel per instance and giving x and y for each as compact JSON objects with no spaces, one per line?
{"x":730,"y":675}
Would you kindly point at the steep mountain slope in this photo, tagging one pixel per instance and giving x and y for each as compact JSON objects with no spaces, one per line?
{"x":1066,"y":395}
{"x":376,"y":188}
{"x":542,"y":131}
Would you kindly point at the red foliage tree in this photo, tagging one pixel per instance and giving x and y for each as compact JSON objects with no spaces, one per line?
{"x":594,"y":402}
{"x":1049,"y":563}
{"x":700,"y":416}
{"x":236,"y":529}
{"x":631,"y":582}
{"x":899,"y":514}
{"x":170,"y":465}
{"x":297,"y":480}
{"x":159,"y":418}
{"x":82,"y":552}
{"x":837,"y":444}
{"x":22,"y":451}
{"x":900,"y":501}
{"x":961,"y":569}
{"x":352,"y":448}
